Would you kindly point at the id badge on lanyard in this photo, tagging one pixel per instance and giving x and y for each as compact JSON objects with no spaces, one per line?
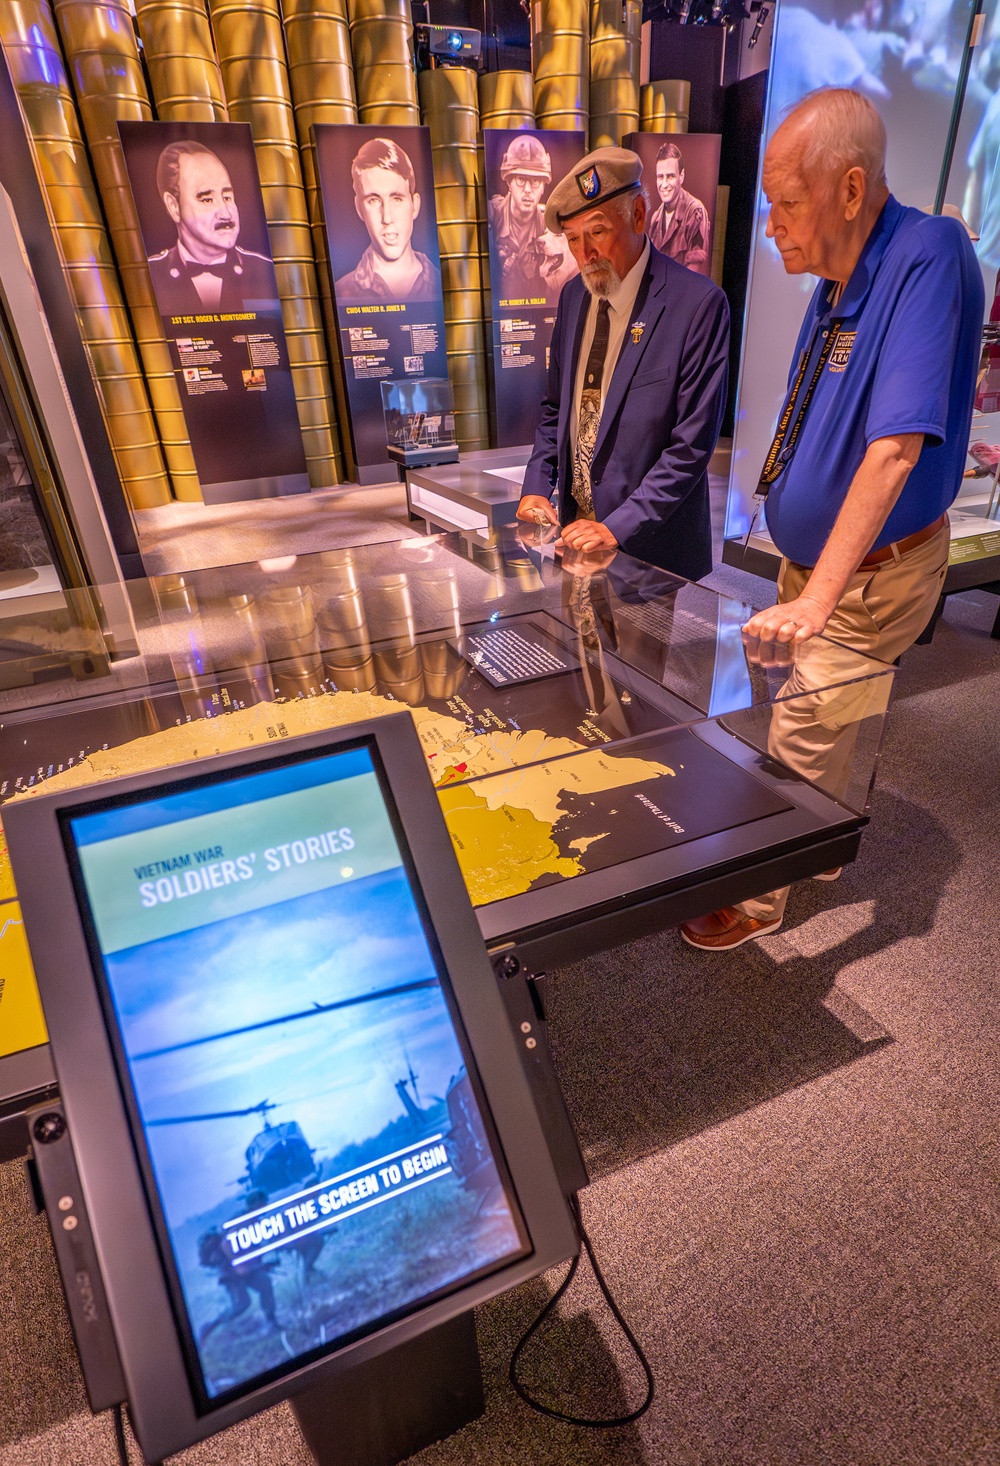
{"x":779,"y":455}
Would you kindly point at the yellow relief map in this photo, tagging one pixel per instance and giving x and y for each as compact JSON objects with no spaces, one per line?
{"x":500,"y":793}
{"x":498,"y":857}
{"x":21,"y":1023}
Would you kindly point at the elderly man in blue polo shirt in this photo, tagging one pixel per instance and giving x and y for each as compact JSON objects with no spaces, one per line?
{"x":872,"y":439}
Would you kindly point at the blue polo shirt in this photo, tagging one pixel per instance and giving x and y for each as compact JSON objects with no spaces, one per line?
{"x":904,"y":361}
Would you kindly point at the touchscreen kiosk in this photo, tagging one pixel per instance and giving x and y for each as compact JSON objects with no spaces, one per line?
{"x":298,"y":1114}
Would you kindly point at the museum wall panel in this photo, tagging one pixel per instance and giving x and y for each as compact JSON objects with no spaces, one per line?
{"x":285,"y":66}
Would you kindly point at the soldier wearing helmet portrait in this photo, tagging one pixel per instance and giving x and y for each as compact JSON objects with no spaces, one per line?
{"x":535,"y":262}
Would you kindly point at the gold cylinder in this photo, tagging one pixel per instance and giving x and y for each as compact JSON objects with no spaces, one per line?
{"x":29,"y":39}
{"x":450,"y":99}
{"x":615,"y":40}
{"x":560,"y":61}
{"x":506,"y":99}
{"x":103,"y":60}
{"x":381,"y":43}
{"x":251,"y":49}
{"x":664,"y":106}
{"x":719,"y":232}
{"x":184,"y":74}
{"x":321,"y":74}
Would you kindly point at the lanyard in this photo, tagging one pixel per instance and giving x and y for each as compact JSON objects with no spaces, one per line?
{"x":783,"y":446}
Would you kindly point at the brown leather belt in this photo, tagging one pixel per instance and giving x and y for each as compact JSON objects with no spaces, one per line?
{"x":900,"y":547}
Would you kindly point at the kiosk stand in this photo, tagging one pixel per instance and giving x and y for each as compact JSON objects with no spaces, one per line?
{"x":391,"y":1407}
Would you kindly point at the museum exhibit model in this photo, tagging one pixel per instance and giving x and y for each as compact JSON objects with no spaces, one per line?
{"x":459,"y":758}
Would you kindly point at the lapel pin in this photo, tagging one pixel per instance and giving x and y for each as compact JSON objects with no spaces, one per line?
{"x":637,"y":329}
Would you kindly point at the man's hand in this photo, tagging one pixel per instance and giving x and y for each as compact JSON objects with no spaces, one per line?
{"x":531,"y":536}
{"x":794,"y":622}
{"x":535,"y":509}
{"x":874,"y":490}
{"x":586,"y":535}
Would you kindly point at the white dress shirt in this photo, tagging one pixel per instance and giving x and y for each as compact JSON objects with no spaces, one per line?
{"x":621,"y":302}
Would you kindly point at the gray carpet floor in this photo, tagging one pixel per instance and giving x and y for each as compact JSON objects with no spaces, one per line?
{"x":795,"y":1159}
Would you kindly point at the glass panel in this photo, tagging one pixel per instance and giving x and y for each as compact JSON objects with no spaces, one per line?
{"x":510,"y":658}
{"x":26,"y":566}
{"x":974,"y":190}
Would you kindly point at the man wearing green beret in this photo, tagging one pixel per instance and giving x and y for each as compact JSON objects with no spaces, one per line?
{"x":636,"y":383}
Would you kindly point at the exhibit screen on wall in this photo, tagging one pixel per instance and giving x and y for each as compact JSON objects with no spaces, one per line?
{"x":378,"y":201}
{"x":529,"y":265}
{"x":315,"y":1153}
{"x":198,"y":199}
{"x":908,"y":61}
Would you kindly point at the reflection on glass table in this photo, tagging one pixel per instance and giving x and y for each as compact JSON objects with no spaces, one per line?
{"x":580,"y":717}
{"x":26,"y":560}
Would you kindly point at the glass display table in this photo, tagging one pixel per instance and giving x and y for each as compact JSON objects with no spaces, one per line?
{"x":606,"y":748}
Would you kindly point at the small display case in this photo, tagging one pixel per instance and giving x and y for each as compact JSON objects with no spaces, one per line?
{"x":420,"y":421}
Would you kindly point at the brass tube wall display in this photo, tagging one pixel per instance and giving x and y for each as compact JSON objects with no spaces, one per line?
{"x":719,"y":233}
{"x":251,"y":50}
{"x":506,"y":99}
{"x":321,"y":73}
{"x":31,"y":44}
{"x":382,"y":45}
{"x":664,"y":106}
{"x":184,"y":74}
{"x":104,"y":65}
{"x":560,"y":37}
{"x":451,"y":110}
{"x":615,"y":36}
{"x":198,"y":199}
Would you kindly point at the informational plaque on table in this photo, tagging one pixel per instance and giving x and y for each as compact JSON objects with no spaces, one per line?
{"x":197,"y":195}
{"x":681,"y":175}
{"x":378,"y":202}
{"x":529,"y":265}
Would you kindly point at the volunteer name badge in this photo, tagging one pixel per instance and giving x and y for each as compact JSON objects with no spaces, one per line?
{"x":841,"y":352}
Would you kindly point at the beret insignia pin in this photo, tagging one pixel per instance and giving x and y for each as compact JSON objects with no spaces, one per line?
{"x":589,"y":183}
{"x":637,"y":329}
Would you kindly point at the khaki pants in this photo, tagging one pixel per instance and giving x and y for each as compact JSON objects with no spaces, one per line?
{"x":815,"y":726}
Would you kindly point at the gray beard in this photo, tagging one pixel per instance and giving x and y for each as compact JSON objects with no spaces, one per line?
{"x":604,"y":283}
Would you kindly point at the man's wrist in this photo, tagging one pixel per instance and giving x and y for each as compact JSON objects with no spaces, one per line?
{"x":825,"y":605}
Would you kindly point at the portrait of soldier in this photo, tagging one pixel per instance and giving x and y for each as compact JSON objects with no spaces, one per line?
{"x":206,"y":270}
{"x":388,"y":204}
{"x":535,"y":262}
{"x":679,"y":226}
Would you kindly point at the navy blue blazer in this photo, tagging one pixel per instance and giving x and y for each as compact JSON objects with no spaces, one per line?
{"x":660,"y":423}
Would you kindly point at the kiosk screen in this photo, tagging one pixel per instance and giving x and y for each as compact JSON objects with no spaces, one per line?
{"x":316,"y":1158}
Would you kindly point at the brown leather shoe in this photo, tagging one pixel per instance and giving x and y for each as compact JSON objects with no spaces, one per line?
{"x":829,"y":875}
{"x":721,"y":931}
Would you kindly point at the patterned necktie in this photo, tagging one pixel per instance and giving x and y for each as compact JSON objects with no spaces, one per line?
{"x":590,"y":410}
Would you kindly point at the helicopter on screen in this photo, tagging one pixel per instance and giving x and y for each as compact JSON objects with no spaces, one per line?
{"x":278,"y":1157}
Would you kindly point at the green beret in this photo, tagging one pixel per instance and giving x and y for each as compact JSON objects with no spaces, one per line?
{"x":601,"y":175}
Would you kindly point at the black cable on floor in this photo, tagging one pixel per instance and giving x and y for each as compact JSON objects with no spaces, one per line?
{"x":636,"y":1347}
{"x":118,"y":1417}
